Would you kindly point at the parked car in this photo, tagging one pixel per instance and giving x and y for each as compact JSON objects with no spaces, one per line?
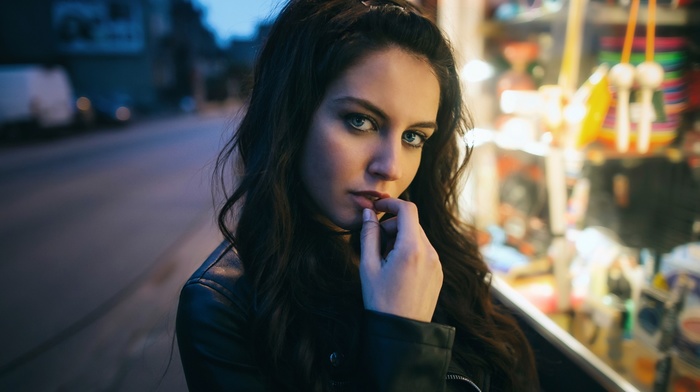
{"x":104,"y":108}
{"x":35,"y":97}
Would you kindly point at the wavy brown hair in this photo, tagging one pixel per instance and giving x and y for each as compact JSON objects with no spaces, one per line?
{"x":304,"y":280}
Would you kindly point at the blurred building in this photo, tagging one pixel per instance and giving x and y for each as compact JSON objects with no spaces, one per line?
{"x":155,"y":51}
{"x":242,"y":53}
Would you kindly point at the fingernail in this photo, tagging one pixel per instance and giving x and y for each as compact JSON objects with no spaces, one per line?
{"x":366,"y":215}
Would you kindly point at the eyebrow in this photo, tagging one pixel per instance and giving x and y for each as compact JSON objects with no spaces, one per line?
{"x":380,"y":113}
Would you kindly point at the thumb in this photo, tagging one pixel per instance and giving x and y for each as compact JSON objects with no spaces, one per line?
{"x":369,"y":240}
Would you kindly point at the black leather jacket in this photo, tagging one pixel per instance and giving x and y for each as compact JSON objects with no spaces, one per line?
{"x":395,"y":354}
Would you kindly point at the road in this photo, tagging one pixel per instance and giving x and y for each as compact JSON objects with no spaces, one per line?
{"x":97,"y":234}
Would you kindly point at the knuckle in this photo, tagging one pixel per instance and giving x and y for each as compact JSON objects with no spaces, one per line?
{"x":364,"y":235}
{"x":410,"y":208}
{"x":369,"y":226}
{"x":368,"y":232}
{"x":415,"y":251}
{"x":432,"y":253}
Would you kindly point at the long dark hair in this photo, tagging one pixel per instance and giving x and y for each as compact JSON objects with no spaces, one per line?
{"x":302,"y":274}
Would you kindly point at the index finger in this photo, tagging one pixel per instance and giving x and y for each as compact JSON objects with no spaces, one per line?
{"x":406,"y":215}
{"x":369,"y":239}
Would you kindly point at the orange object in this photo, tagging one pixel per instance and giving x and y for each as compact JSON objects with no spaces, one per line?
{"x":629,"y":33}
{"x":644,"y":369}
{"x":651,"y":30}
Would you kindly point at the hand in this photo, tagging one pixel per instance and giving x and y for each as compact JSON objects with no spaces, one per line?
{"x":407,"y":281}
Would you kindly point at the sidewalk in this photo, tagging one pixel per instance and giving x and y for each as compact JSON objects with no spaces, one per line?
{"x":131,"y":345}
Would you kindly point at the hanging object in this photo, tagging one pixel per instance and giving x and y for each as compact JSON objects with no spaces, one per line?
{"x":649,"y":75}
{"x":669,"y":100}
{"x":622,"y":78}
{"x":647,"y":78}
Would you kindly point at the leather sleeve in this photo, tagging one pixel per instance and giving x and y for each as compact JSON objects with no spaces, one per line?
{"x":400,"y":354}
{"x":214,"y":349}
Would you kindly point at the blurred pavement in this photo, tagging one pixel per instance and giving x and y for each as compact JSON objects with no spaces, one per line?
{"x":97,"y":235}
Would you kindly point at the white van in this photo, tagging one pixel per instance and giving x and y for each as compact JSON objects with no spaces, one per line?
{"x":36,"y":96}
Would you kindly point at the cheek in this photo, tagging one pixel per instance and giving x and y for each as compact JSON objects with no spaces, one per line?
{"x":323,"y":161}
{"x":335,"y":163}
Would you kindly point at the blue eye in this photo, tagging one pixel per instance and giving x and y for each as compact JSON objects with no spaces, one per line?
{"x":414,"y":139}
{"x":360,"y":122}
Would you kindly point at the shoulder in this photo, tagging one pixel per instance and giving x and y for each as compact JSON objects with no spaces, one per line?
{"x":222,"y":272}
{"x":216,"y":299}
{"x":213,"y":324}
{"x":218,"y":290}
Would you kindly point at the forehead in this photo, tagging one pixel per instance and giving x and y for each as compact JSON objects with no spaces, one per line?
{"x":397,"y":81}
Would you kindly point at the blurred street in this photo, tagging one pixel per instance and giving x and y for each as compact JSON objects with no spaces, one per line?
{"x":97,"y":234}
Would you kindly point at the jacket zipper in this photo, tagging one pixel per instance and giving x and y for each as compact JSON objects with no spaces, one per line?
{"x":458,"y":377}
{"x":339,"y":385}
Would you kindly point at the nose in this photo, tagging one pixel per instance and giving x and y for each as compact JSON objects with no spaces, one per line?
{"x":386,"y":160}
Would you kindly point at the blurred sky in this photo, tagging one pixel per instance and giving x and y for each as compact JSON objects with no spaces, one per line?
{"x":237,"y":18}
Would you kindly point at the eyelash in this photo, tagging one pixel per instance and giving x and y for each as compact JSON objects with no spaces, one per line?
{"x":357,"y":116}
{"x":348,"y":118}
{"x":420,"y":135}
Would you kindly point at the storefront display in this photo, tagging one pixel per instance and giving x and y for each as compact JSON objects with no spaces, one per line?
{"x":595,"y":136}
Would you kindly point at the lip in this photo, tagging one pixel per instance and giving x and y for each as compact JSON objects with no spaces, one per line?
{"x":366,"y":199}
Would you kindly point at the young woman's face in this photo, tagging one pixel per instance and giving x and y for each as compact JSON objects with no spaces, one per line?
{"x":366,"y":137}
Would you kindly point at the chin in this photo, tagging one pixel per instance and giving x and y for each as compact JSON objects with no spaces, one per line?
{"x":350,"y":223}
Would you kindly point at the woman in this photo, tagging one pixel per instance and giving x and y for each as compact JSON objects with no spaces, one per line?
{"x":345,"y":266}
